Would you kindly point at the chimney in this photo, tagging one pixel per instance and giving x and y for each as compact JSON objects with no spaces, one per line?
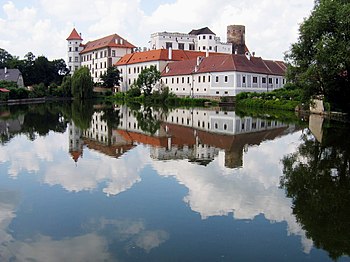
{"x":199,"y":60}
{"x":170,"y":53}
{"x":247,"y":54}
{"x":206,"y":52}
{"x":167,"y":69}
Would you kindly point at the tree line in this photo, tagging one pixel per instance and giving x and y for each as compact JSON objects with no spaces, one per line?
{"x":35,"y":70}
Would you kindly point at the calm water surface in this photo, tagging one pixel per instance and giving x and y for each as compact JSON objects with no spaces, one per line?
{"x":93,"y":183}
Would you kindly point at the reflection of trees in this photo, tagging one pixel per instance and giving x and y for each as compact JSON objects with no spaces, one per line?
{"x":147,"y":120}
{"x":317,"y":178}
{"x":82,"y":112}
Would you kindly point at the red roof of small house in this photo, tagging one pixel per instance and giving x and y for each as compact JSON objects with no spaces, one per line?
{"x":74,"y":35}
{"x":108,"y":41}
{"x":225,"y":63}
{"x":4,"y":90}
{"x":159,"y":55}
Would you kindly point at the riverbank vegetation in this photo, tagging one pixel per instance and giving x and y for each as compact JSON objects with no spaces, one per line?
{"x":319,"y":63}
{"x":287,"y":98}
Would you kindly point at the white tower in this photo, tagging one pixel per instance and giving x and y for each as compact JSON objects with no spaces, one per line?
{"x":74,"y":47}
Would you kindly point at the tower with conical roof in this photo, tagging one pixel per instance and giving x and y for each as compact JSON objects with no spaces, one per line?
{"x":74,"y":47}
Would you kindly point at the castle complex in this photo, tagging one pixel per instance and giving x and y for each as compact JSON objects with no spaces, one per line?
{"x":197,"y":64}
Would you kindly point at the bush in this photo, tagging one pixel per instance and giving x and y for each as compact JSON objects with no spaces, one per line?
{"x":18,"y":93}
{"x":133,"y":92}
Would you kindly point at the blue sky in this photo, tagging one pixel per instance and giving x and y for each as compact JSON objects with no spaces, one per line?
{"x":41,"y":26}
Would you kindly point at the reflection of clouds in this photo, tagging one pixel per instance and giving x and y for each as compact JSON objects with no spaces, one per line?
{"x":148,"y":240}
{"x":91,"y":170}
{"x":92,"y":246}
{"x":88,"y":247}
{"x":246,"y":192}
{"x":95,"y":168}
{"x":23,"y":154}
{"x":134,"y":233}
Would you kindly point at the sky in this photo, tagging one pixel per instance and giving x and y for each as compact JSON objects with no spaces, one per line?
{"x":42,"y":26}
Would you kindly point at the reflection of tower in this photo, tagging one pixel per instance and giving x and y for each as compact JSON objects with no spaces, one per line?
{"x":236,"y":36}
{"x":75,"y":142}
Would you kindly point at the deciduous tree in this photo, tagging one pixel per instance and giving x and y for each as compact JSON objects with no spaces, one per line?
{"x":320,"y":60}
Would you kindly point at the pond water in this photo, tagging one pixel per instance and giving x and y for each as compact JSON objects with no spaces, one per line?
{"x":114,"y":183}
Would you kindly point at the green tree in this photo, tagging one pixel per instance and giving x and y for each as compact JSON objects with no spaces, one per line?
{"x":111,"y":77}
{"x":67,"y":86}
{"x":5,"y":58}
{"x":317,"y":178}
{"x":82,"y":84}
{"x":319,"y":62}
{"x":147,"y":79}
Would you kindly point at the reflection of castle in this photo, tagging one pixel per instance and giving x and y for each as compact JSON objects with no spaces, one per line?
{"x":194,"y":134}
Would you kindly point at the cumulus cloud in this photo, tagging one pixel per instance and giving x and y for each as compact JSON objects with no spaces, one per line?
{"x":271,"y":26}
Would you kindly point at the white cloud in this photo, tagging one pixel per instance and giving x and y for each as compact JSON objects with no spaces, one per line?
{"x":43,"y":26}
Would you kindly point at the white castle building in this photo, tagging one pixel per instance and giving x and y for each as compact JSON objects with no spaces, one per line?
{"x":197,"y":40}
{"x":97,"y":55}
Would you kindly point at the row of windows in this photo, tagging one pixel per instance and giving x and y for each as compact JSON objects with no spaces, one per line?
{"x":76,"y":59}
{"x":101,"y":54}
{"x":136,"y":69}
{"x":180,"y":46}
{"x":76,"y":49}
{"x":204,"y":37}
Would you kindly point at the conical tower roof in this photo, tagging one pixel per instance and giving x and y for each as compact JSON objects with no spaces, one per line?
{"x":74,"y":35}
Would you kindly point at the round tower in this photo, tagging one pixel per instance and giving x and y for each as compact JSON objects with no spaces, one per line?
{"x":74,"y":47}
{"x":236,"y":36}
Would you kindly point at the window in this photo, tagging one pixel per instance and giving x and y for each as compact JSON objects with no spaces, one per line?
{"x":70,"y":59}
{"x":70,"y":49}
{"x":191,"y":47}
{"x":270,"y":80}
{"x":226,"y":92}
{"x":188,"y":80}
{"x":168,"y":45}
{"x":166,"y":80}
{"x":113,"y":53}
{"x":172,"y":80}
{"x":203,"y":37}
{"x":263,"y":80}
{"x":210,"y":37}
{"x":255,"y":80}
{"x":204,"y":48}
{"x":76,"y":59}
{"x":183,"y":80}
{"x":276,"y":81}
{"x":177,"y":80}
{"x":243,"y":80}
{"x":76,"y":49}
{"x":101,"y":54}
{"x":129,"y":70}
{"x":181,"y":46}
{"x":209,"y":79}
{"x":226,"y":79}
{"x":203,"y":79}
{"x":217,"y":92}
{"x":199,"y":79}
{"x":216,"y":79}
{"x":210,"y":48}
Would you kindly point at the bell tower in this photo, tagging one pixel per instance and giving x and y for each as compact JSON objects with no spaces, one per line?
{"x":74,"y":47}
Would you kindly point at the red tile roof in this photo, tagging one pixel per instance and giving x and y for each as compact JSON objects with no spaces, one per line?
{"x":143,"y":138}
{"x":4,"y":90}
{"x":108,"y":41}
{"x":74,"y":35}
{"x":159,"y":55}
{"x":224,"y":63}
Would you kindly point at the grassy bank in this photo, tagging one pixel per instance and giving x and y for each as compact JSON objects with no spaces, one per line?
{"x":278,"y":99}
